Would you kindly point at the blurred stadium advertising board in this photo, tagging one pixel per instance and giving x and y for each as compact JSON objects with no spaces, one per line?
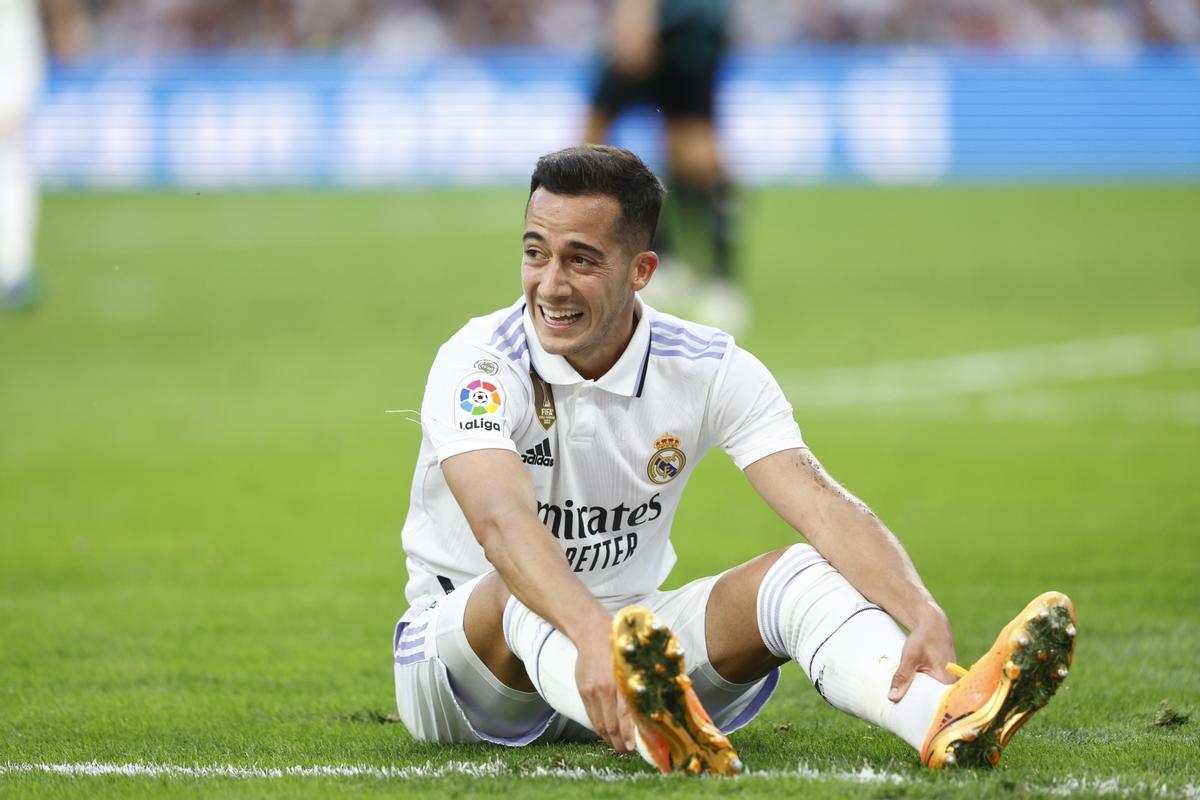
{"x":894,"y":116}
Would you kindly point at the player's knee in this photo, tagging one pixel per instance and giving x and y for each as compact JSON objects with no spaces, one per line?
{"x":787,"y":565}
{"x":483,"y":619}
{"x":693,"y":154}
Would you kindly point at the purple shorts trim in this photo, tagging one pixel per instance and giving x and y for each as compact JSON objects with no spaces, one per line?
{"x":400,"y":626}
{"x":408,"y":650}
{"x":751,"y":711}
{"x":537,"y":730}
{"x":411,"y":658}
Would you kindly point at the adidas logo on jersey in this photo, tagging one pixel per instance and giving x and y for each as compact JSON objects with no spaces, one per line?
{"x":539,"y":456}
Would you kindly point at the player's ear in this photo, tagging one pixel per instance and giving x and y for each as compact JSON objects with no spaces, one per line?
{"x":644,"y":264}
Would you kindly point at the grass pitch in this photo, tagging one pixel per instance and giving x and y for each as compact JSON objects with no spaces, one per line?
{"x":201,"y":495}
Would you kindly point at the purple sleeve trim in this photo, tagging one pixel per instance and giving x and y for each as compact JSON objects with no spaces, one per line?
{"x":663,"y":327}
{"x":498,"y":336}
{"x":688,"y":356}
{"x":671,"y":341}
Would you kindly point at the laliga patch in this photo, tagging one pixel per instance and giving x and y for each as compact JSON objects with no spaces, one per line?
{"x":479,"y":402}
{"x":667,"y":461}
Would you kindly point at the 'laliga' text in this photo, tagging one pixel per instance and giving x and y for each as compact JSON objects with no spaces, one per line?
{"x":479,"y":425}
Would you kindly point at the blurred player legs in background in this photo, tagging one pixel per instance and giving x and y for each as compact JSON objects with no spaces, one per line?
{"x":667,"y":53}
{"x":21,"y":64}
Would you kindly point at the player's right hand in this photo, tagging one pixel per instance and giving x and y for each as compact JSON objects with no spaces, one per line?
{"x":597,"y":684}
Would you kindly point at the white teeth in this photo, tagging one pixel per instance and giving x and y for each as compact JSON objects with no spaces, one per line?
{"x":560,"y":316}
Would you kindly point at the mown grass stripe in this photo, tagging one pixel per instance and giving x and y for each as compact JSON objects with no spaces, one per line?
{"x":995,"y":370}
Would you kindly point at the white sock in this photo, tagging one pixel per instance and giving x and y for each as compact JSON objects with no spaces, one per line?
{"x":848,"y":647}
{"x":18,"y":211}
{"x":549,"y":658}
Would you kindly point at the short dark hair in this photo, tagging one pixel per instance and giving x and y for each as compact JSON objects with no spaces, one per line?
{"x":611,"y":171}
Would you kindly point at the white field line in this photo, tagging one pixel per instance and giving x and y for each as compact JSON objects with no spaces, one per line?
{"x":1068,"y":786}
{"x":995,"y":370}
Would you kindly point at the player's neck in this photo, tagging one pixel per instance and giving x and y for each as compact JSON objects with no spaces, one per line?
{"x":595,"y":362}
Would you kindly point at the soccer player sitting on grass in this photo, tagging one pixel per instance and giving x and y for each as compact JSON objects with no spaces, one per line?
{"x":557,"y":437}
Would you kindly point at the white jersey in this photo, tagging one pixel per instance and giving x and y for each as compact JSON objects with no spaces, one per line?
{"x":609,"y":458}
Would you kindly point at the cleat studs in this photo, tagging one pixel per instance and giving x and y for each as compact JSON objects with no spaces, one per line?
{"x":1043,"y":655}
{"x":1062,"y":672}
{"x":951,"y":758}
{"x":656,"y":625}
{"x":970,"y":735}
{"x":630,"y":647}
{"x":1012,"y":670}
{"x":1044,"y":613}
{"x":1071,"y":630}
{"x":994,"y":756}
{"x":1022,"y":641}
{"x":737,"y":766}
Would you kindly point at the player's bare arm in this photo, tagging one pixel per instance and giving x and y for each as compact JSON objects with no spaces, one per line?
{"x":497,"y":498}
{"x":859,"y":545}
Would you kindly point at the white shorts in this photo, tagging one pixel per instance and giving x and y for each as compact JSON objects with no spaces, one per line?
{"x":431,"y":708}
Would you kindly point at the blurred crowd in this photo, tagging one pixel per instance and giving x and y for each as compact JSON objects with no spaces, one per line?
{"x":393,"y":27}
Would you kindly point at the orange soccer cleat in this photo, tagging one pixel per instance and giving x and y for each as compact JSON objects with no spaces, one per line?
{"x":979,"y":714}
{"x":674,"y":732}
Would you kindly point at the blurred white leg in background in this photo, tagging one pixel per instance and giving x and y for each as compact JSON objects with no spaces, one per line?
{"x":18,"y":212}
{"x":21,"y":64}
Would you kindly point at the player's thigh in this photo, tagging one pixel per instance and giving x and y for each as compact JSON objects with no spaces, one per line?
{"x":733,"y":637}
{"x":685,"y":611}
{"x":615,"y":92}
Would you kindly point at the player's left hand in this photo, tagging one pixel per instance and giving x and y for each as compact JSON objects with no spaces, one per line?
{"x":930,"y":646}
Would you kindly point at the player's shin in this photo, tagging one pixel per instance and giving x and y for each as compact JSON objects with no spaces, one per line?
{"x":849,"y":647}
{"x":549,"y":658}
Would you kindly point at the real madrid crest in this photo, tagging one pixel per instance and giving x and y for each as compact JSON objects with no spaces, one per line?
{"x":667,"y":461}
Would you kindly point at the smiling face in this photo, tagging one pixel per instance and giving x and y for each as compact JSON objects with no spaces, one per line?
{"x":579,"y":276}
